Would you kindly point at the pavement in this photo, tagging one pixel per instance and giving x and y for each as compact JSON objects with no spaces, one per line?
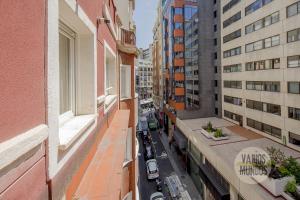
{"x":168,"y":164}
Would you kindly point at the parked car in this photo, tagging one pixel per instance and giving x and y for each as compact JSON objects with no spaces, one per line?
{"x":152,"y":169}
{"x":148,"y":154}
{"x":146,"y":138}
{"x":157,"y":196}
{"x":143,"y":124}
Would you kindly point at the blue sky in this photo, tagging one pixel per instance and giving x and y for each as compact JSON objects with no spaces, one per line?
{"x":144,"y":16}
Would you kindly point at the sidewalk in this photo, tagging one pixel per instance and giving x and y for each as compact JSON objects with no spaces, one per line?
{"x":185,"y":179}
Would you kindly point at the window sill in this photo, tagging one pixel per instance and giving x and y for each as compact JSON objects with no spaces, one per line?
{"x":109,"y":101}
{"x":72,"y":129}
{"x":125,"y":98}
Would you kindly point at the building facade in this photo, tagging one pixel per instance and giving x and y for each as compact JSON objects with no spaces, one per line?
{"x":191,"y":57}
{"x":261,"y":48}
{"x":157,"y":62}
{"x":144,"y":78}
{"x":68,"y":103}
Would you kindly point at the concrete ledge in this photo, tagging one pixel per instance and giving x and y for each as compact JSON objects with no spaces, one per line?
{"x":13,"y":149}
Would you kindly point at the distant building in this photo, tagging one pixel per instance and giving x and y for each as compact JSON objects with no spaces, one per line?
{"x":144,"y":78}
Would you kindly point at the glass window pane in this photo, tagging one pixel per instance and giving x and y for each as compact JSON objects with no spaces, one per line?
{"x":258,"y":45}
{"x":275,"y":17}
{"x":293,"y":87}
{"x":268,"y":20}
{"x":292,"y":35}
{"x":268,"y":42}
{"x":64,"y":74}
{"x":275,"y":40}
{"x":258,"y":25}
{"x":294,"y":61}
{"x":292,"y":10}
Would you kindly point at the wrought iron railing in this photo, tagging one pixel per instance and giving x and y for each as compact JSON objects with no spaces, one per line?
{"x":128,"y":37}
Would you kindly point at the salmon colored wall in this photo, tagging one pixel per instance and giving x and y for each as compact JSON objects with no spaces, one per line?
{"x":29,"y":186}
{"x":22,"y":82}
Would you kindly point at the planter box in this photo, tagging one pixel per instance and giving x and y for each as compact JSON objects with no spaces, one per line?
{"x":276,"y":186}
{"x":219,"y":138}
{"x":206,"y":134}
{"x":287,"y":196}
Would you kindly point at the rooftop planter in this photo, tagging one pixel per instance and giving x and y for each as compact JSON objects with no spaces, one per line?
{"x":212,"y":133}
{"x":284,"y":175}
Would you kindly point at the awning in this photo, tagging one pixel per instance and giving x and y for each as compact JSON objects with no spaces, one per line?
{"x":180,"y":139}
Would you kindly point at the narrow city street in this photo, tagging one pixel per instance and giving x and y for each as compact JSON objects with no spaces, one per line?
{"x":167,"y":165}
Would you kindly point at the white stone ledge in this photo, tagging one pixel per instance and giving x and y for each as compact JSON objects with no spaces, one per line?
{"x":72,"y":130}
{"x":14,"y":148}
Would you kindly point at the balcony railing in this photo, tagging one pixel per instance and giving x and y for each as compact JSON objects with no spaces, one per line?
{"x":128,"y":37}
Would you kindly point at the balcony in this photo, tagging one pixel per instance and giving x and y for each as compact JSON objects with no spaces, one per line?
{"x":179,"y":77}
{"x":178,"y":62}
{"x":178,"y":33}
{"x":127,"y":42}
{"x":178,"y":47}
{"x":178,"y":3}
{"x":179,"y":91}
{"x":178,"y":18}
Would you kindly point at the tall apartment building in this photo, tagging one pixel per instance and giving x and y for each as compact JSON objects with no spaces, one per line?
{"x":68,"y":103}
{"x":191,"y":52}
{"x":261,"y":74}
{"x":157,"y":61}
{"x":144,"y":78}
{"x":146,"y":54}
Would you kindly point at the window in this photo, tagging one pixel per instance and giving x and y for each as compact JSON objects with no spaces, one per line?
{"x":216,"y":83}
{"x":263,"y":64}
{"x":293,"y":35}
{"x":293,"y":9}
{"x":233,"y":84}
{"x":215,"y":28}
{"x":232,"y":52}
{"x":125,"y":82}
{"x":294,"y":87}
{"x":216,"y":97}
{"x":230,"y":5}
{"x":66,"y":70}
{"x":271,"y":130}
{"x":178,"y":11}
{"x":232,"y":68}
{"x":294,"y":138}
{"x":215,"y":14}
{"x":178,"y":25}
{"x":266,"y":21}
{"x":264,"y":107}
{"x":233,"y":116}
{"x":293,"y":61}
{"x":263,"y":86}
{"x":232,"y":36}
{"x":232,"y":19}
{"x":294,"y":113}
{"x":178,"y":40}
{"x":262,"y":44}
{"x":215,"y":41}
{"x":233,"y":100}
{"x":110,"y":76}
{"x":255,"y":6}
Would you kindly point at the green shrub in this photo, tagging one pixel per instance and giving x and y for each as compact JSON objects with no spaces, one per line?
{"x":276,"y":155}
{"x":209,"y":127}
{"x":284,"y":171}
{"x":218,"y":133}
{"x":291,"y":187}
{"x":293,"y":167}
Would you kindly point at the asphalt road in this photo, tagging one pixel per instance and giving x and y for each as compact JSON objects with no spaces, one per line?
{"x":146,"y":188}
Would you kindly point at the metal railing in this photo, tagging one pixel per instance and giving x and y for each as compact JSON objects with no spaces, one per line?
{"x":128,"y":37}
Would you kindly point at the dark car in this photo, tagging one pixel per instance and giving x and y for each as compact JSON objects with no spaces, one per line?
{"x":148,"y":153}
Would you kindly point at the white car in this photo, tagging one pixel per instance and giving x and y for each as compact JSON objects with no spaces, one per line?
{"x":157,"y":196}
{"x":152,"y":169}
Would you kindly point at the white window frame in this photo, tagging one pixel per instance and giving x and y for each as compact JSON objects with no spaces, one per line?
{"x":110,"y":99}
{"x":127,"y":82}
{"x":70,"y":34}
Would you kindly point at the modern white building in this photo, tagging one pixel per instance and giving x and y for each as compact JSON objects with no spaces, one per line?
{"x":261,"y":67}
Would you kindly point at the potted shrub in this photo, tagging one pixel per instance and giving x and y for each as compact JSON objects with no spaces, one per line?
{"x":279,"y":175}
{"x":207,"y":130}
{"x":218,"y":135}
